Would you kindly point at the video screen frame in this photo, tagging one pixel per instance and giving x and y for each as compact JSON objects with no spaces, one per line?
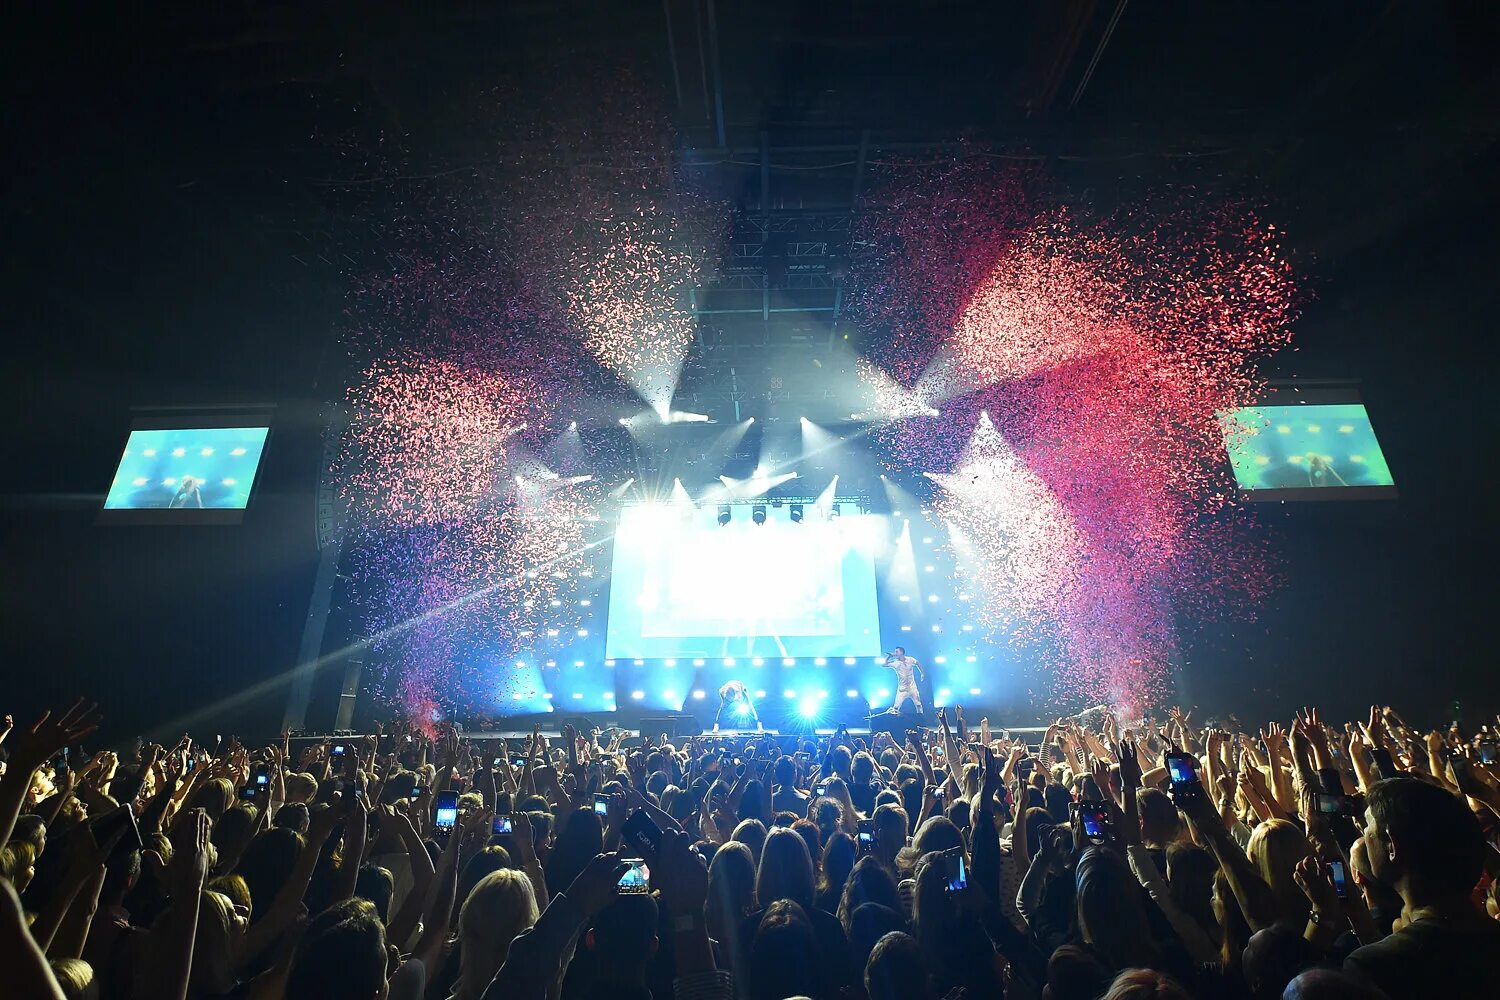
{"x":198,"y":419}
{"x":1316,"y":393}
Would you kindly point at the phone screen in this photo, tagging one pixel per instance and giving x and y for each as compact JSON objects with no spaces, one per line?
{"x":445,"y":814}
{"x":502,"y":823}
{"x":338,"y":750}
{"x":1095,"y":821}
{"x":249,"y":792}
{"x":262,"y":778}
{"x":821,"y":788}
{"x":1182,"y":769}
{"x":1329,"y":805}
{"x":957,"y":871}
{"x":637,"y":878}
{"x":601,"y":805}
{"x":1486,"y":753}
{"x":1340,"y":878}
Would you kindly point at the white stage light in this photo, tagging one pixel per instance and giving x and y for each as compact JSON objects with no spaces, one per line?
{"x":973,"y":690}
{"x":757,"y":662}
{"x":671,"y":663}
{"x":787,"y":662}
{"x":789,"y":693}
{"x":698,"y":695}
{"x":848,"y":661}
{"x":637,"y":695}
{"x":851,"y":693}
{"x":821,"y":662}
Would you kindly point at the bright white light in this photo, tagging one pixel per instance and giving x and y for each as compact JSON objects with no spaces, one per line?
{"x":971,"y":659}
{"x":697,"y":663}
{"x":577,"y":663}
{"x":671,"y":663}
{"x":583,"y":633}
{"x":906,"y":628}
{"x":556,"y":603}
{"x":904,"y":598}
{"x":585,"y":603}
{"x":640,"y":663}
{"x":973,"y":690}
{"x":822,"y":694}
{"x":851,"y":693}
{"x":944,"y":694}
{"x":728,"y":661}
{"x":932,"y":599}
{"x":520,"y":663}
{"x":788,"y":661}
{"x":230,"y":482}
{"x":178,"y":452}
{"x":848,"y":661}
{"x":577,"y":695}
{"x":206,"y":452}
{"x":669,"y":694}
{"x":939,"y":659}
{"x":757,"y":662}
{"x":139,"y":481}
{"x":609,"y":663}
{"x":820,"y":661}
{"x":789,"y":693}
{"x":698,"y":695}
{"x":937,"y":628}
{"x":169,"y":481}
{"x":808,"y":709}
{"x":624,"y":421}
{"x":151,"y":452}
{"x":637,"y":695}
{"x":883,"y":693}
{"x":551,"y":663}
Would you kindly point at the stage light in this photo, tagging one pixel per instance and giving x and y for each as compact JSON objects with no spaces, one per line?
{"x":178,"y":452}
{"x":787,"y":662}
{"x":971,"y":659}
{"x":585,"y":603}
{"x":640,"y":663}
{"x":552,"y":633}
{"x":698,"y":695}
{"x":904,"y":598}
{"x":944,"y":694}
{"x":577,"y":695}
{"x":577,"y":663}
{"x":758,"y":513}
{"x":797,"y":513}
{"x":230,"y":482}
{"x":169,"y":481}
{"x":206,"y":452}
{"x":698,"y":663}
{"x":932,"y":599}
{"x":939,"y":659}
{"x":551,"y":663}
{"x":821,"y":662}
{"x":927,"y":541}
{"x":906,"y":628}
{"x":637,"y":695}
{"x":139,"y":481}
{"x":671,"y":663}
{"x":742,"y":709}
{"x":973,"y":690}
{"x":624,"y":421}
{"x":789,"y":693}
{"x":724,"y":514}
{"x":583,"y":633}
{"x":883,"y":693}
{"x":851,"y":693}
{"x":760,"y":694}
{"x":937,"y":628}
{"x":757,"y":662}
{"x":848,"y":661}
{"x":609,"y":663}
{"x":927,"y":569}
{"x":968,"y":628}
{"x":728,"y":661}
{"x":151,"y":452}
{"x":808,"y":709}
{"x":556,"y":603}
{"x":669,"y":694}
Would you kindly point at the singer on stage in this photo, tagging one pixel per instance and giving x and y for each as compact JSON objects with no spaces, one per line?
{"x":908,"y":672}
{"x":735,"y":707}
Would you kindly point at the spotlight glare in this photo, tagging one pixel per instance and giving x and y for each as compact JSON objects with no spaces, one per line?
{"x":789,"y":693}
{"x":852,"y":693}
{"x":787,"y":662}
{"x":808,"y":709}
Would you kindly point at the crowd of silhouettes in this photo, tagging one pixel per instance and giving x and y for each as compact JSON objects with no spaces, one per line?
{"x":1105,"y":857}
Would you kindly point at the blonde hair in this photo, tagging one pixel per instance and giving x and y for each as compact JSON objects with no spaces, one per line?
{"x":75,"y":977}
{"x":300,"y":787}
{"x":214,"y":946}
{"x":501,"y":906}
{"x":1275,"y":848}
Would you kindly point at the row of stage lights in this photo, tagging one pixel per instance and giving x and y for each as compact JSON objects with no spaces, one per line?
{"x":759,"y":661}
{"x":797,"y":512}
{"x":788,"y":694}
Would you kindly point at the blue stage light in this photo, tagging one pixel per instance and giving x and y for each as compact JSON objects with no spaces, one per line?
{"x":808,"y":709}
{"x":742,"y":709}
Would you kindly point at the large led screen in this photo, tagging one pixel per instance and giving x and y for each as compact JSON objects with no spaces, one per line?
{"x":1312,"y":451}
{"x":185,"y":474}
{"x":684,"y":585}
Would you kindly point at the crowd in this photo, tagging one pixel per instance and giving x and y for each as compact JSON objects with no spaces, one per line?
{"x":1155,"y":859}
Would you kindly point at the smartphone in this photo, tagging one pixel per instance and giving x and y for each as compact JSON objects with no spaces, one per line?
{"x":417,"y":791}
{"x":1331,"y":805}
{"x":249,"y":792}
{"x":497,"y":762}
{"x":502,"y":823}
{"x":1182,"y":770}
{"x":641,"y":832}
{"x":518,"y":762}
{"x":637,"y":878}
{"x":262,"y":775}
{"x":339,"y":750}
{"x":1024,"y":767}
{"x":445,"y":811}
{"x":956,"y":870}
{"x":601,"y":805}
{"x":820,"y":789}
{"x":1340,"y":878}
{"x":1095,"y":820}
{"x":1487,"y":753}
{"x":937,"y":793}
{"x":866,"y":835}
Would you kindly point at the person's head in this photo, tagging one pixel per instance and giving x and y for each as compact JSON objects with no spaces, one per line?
{"x":233,"y":887}
{"x":809,"y":832}
{"x":1145,"y":984}
{"x":731,"y":889}
{"x":234,"y":830}
{"x":1330,"y":984}
{"x":213,"y":797}
{"x":341,"y":956}
{"x":839,"y":855}
{"x":839,"y":761}
{"x":1110,"y":914}
{"x":1275,"y":848}
{"x":869,"y":882}
{"x":786,"y":871}
{"x":300,"y":787}
{"x":1273,"y":958}
{"x":377,"y":885}
{"x":76,"y":978}
{"x":501,"y":906}
{"x":958,"y":813}
{"x":216,"y":946}
{"x":896,"y":969}
{"x":579,"y":838}
{"x":1073,"y":973}
{"x":33,"y":829}
{"x":1422,"y":841}
{"x":890,"y":831}
{"x":18,"y":863}
{"x":623,"y":936}
{"x":1190,"y":883}
{"x":866,"y":925}
{"x":828,"y":814}
{"x":1160,"y":824}
{"x":1057,"y":799}
{"x":937,"y":833}
{"x":863,"y":768}
{"x":786,"y":772}
{"x":293,"y":816}
{"x":899,"y":651}
{"x":491,"y":859}
{"x":751,"y":833}
{"x":266,"y":865}
{"x":784,"y":955}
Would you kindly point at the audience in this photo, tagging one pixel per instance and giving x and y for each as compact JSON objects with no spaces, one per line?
{"x":1303,"y":862}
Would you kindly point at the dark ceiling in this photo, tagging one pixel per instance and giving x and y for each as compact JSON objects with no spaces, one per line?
{"x":174,"y":236}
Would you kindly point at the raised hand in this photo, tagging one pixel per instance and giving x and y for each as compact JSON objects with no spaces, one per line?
{"x":678,"y":875}
{"x":599,"y":883}
{"x":1130,"y":767}
{"x":30,"y":747}
{"x":1315,"y":884}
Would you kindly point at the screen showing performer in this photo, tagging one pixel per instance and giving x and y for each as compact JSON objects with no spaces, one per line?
{"x":736,"y":710}
{"x":908,"y":673}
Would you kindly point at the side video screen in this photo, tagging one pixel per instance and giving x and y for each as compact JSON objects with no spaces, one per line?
{"x":1316,"y":451}
{"x":185,"y":475}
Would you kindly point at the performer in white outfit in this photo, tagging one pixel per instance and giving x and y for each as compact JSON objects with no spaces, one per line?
{"x":908,"y":672}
